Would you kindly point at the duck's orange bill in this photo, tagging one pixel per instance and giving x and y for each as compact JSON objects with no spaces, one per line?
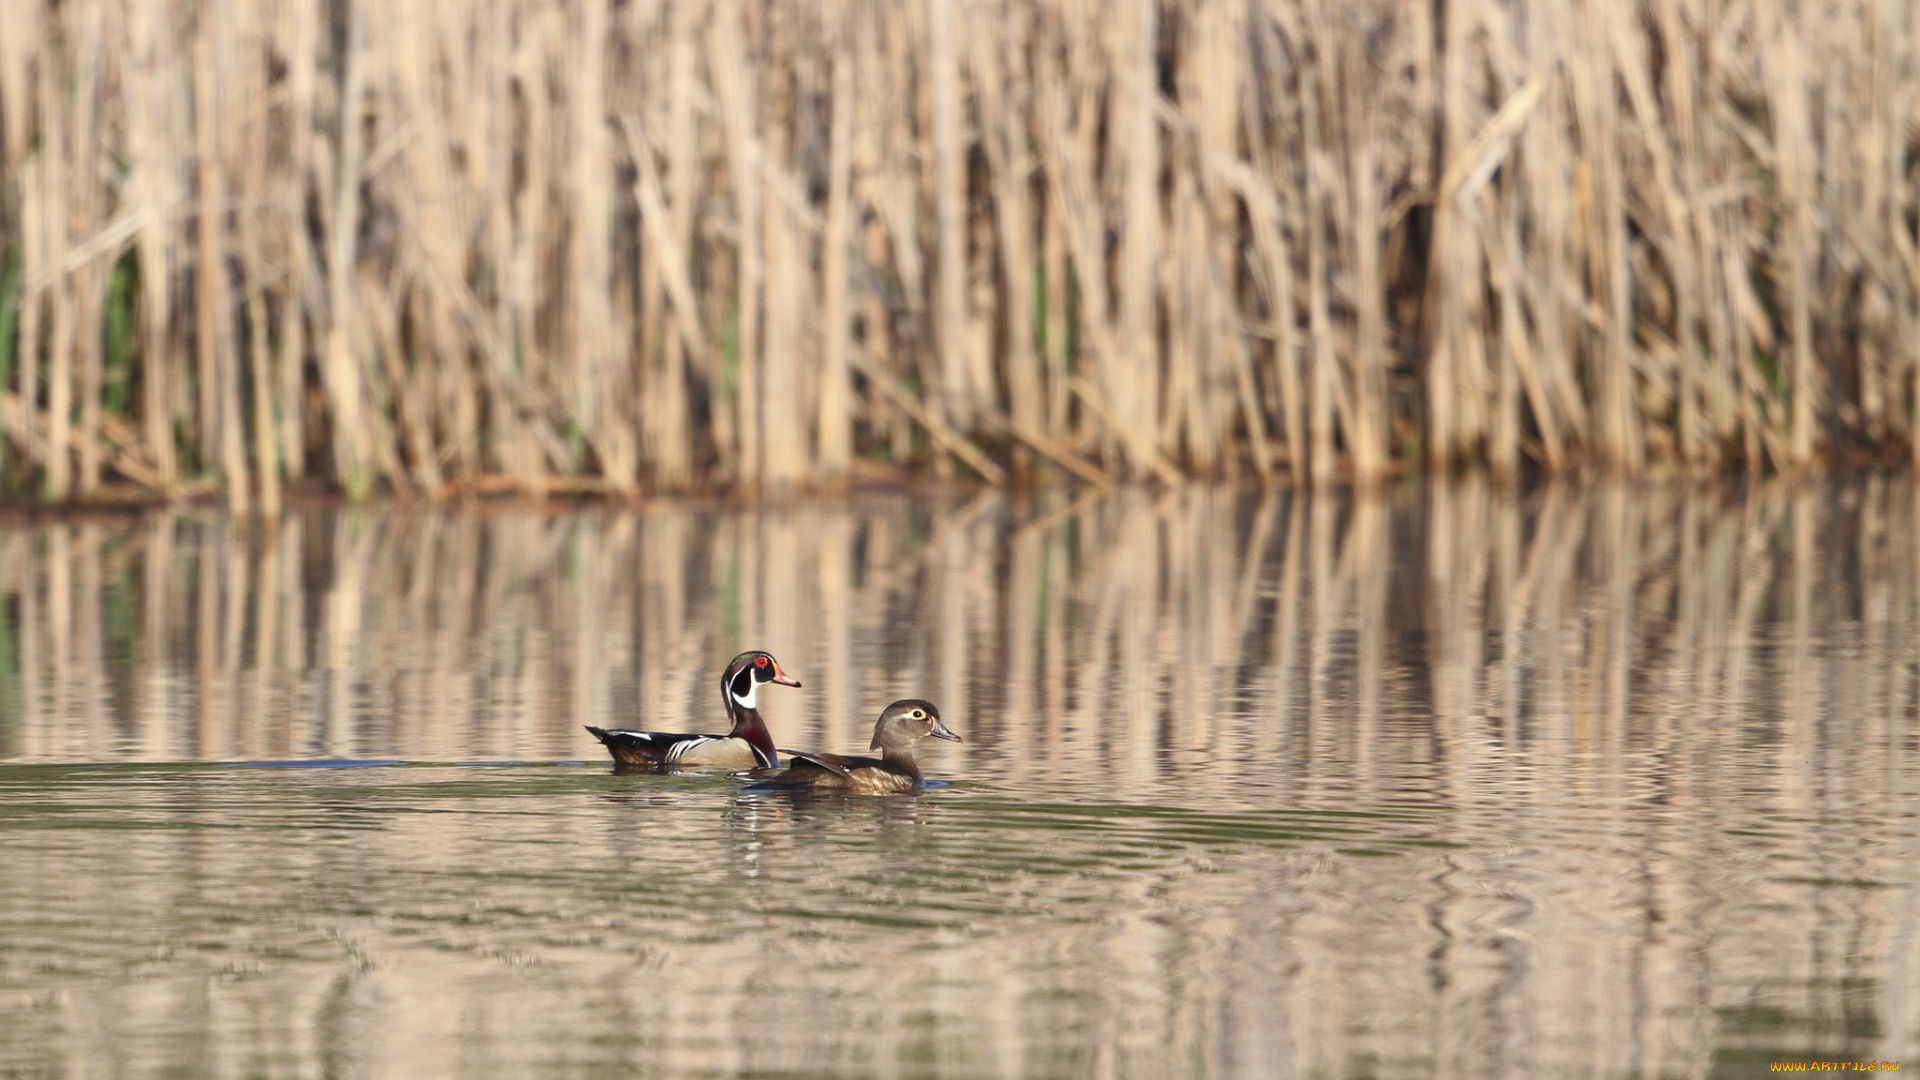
{"x":783,"y":678}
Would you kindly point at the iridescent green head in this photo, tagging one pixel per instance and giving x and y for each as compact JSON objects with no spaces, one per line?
{"x":746,"y":672}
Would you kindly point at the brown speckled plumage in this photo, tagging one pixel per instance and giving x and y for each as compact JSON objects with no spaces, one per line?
{"x":900,"y":726}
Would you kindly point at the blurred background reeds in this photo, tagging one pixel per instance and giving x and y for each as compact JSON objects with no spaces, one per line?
{"x":484,"y":245}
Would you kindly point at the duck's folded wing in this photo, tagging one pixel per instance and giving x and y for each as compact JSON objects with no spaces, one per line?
{"x":660,"y":746}
{"x":833,"y":763}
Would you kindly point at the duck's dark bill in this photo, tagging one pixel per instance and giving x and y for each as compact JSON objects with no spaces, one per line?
{"x":941,"y":731}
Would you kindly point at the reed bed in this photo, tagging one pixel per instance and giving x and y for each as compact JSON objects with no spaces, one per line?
{"x":480,"y":245}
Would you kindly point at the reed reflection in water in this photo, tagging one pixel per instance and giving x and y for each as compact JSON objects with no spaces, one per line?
{"x":1611,"y":781}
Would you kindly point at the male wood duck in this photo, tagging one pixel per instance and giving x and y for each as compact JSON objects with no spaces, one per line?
{"x":747,"y":746}
{"x":902,"y":724}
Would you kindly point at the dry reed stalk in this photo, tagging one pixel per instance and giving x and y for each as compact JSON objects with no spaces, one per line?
{"x":340,"y":368}
{"x":376,"y":305}
{"x":1736,"y":291}
{"x":1900,"y":26}
{"x":1609,"y":276}
{"x":1053,"y":259}
{"x":209,"y":288}
{"x":892,"y":236}
{"x":33,"y":258}
{"x":867,"y":306}
{"x":671,"y":417}
{"x":474,"y":79}
{"x":649,"y":325}
{"x":1001,"y":89}
{"x":1274,"y":270}
{"x":1134,"y":383}
{"x":1503,"y":447}
{"x":834,"y":424}
{"x":1682,"y":183}
{"x":385,"y":405}
{"x":733,"y":74}
{"x":960,"y":395}
{"x":1216,"y":83}
{"x":1888,"y":200}
{"x":300,"y":31}
{"x":491,"y":171}
{"x":782,"y":384}
{"x":90,"y":281}
{"x":590,"y":274}
{"x":90,"y":304}
{"x":406,"y":81}
{"x":784,"y":363}
{"x":20,"y":40}
{"x":1367,"y":363}
{"x":1266,"y":191}
{"x":1793,"y":148}
{"x":56,"y":178}
{"x":1465,"y":183}
{"x":527,"y":63}
{"x":225,"y":146}
{"x":1322,"y":363}
{"x":1069,"y":166}
{"x":895,"y":425}
{"x":669,"y":252}
{"x":1449,"y":302}
{"x":1181,"y":424}
{"x":1074,"y":127}
{"x":1550,"y":289}
{"x":152,"y":77}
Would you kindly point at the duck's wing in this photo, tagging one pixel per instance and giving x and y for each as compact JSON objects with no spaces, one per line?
{"x":817,"y":771}
{"x":632,"y":747}
{"x":659,"y":747}
{"x":833,"y":763}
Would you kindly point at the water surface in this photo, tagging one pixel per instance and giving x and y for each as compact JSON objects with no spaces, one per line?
{"x":1443,"y":782}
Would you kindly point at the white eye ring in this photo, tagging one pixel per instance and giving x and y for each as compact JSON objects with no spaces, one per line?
{"x":919,"y":714}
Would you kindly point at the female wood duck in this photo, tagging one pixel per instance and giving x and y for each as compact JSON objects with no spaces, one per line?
{"x":747,"y":746}
{"x":904,"y":723}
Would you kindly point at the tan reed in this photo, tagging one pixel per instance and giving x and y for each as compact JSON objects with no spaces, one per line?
{"x":495,"y":245}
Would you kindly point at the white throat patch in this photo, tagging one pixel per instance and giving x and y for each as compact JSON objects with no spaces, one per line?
{"x":750,"y":700}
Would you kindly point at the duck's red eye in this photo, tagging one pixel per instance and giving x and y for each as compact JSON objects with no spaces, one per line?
{"x":759,"y":661}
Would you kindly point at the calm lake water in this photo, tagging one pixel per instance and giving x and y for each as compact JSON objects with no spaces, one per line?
{"x":1445,"y":782}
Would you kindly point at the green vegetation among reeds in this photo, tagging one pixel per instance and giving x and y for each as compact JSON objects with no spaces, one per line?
{"x":494,"y":245}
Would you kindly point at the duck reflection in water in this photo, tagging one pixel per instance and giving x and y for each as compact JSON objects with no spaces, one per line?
{"x":808,"y":816}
